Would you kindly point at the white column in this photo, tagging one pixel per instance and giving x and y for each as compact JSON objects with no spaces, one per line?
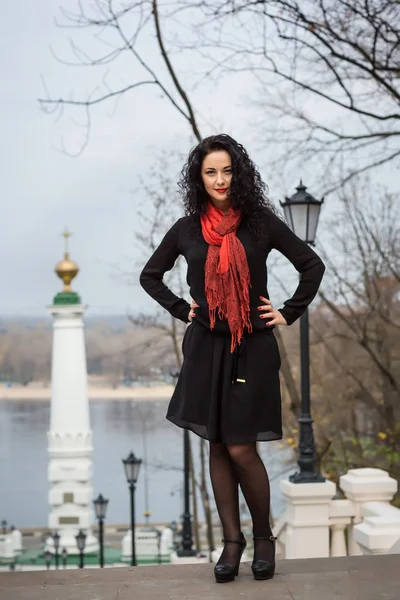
{"x":341,"y":513}
{"x":338,"y":539}
{"x":361,"y":486}
{"x":307,"y":525}
{"x":70,"y":436}
{"x":70,"y":406}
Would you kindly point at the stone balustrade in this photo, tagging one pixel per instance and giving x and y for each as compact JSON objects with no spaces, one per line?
{"x":148,"y":545}
{"x":316,"y":525}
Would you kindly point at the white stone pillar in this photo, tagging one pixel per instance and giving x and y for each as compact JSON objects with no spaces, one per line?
{"x":307,"y":525}
{"x":70,"y":436}
{"x":361,"y":486}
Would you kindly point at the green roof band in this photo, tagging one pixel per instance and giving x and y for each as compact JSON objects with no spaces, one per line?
{"x":66,"y":298}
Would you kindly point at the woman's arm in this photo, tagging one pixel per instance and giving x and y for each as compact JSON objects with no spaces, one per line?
{"x":151,"y":278}
{"x":305,"y":260}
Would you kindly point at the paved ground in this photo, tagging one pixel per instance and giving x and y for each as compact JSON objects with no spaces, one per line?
{"x":355,"y":578}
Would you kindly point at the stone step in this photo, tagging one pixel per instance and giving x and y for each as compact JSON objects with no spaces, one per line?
{"x":358,"y":577}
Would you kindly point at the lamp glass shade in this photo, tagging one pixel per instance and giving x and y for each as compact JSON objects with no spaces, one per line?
{"x":132,"y":467}
{"x":287,"y":210}
{"x":56,"y":539}
{"x":313,"y":216}
{"x":100,"y":506}
{"x":81,"y":540}
{"x":299,"y":214}
{"x":302,"y":213}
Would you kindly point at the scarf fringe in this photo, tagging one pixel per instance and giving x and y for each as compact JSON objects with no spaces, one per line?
{"x":228,"y":293}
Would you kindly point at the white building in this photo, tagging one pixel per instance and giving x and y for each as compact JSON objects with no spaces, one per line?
{"x":70,"y":436}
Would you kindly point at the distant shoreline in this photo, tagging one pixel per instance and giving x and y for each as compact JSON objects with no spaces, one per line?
{"x":37,"y":393}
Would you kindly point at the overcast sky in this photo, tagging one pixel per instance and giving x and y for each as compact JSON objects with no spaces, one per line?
{"x":45,"y":190}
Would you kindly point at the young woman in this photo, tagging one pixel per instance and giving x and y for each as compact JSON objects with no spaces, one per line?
{"x":228,"y":390}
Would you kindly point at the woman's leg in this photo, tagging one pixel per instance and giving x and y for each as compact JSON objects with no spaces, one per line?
{"x":226,"y":494}
{"x":254,"y":482}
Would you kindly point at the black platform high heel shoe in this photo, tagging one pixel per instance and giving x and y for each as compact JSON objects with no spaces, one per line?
{"x":264,"y":569}
{"x":225,"y":572}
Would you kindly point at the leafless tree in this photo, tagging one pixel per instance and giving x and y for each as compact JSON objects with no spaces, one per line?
{"x":158,"y":212}
{"x":361,"y":312}
{"x":328,"y":74}
{"x":25,"y":353}
{"x":355,"y":336}
{"x":118,"y":27}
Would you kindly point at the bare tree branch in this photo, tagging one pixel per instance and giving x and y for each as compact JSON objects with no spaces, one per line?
{"x":108,"y":18}
{"x":341,"y":58}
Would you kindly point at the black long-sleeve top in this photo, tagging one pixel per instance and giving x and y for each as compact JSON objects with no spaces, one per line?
{"x":182,"y":239}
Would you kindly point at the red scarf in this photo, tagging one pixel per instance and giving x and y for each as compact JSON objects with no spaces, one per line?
{"x":227,"y":274}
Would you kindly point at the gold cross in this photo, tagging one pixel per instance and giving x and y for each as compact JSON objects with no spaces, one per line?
{"x":67,"y":234}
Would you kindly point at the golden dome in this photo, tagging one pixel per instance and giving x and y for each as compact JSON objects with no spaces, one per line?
{"x":67,"y":269}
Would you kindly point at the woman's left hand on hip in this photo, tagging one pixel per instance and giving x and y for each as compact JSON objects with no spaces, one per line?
{"x":268,"y":312}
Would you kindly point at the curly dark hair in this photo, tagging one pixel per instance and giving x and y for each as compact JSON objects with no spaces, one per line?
{"x":247,"y":192}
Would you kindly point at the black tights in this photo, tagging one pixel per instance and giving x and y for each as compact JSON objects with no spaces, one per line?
{"x":232,"y":465}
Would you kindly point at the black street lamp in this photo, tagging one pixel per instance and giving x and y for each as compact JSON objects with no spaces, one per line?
{"x":100,"y":506}
{"x":81,"y":541}
{"x":56,"y":541}
{"x":302,"y":214}
{"x":132,"y":467}
{"x":4,"y":525}
{"x":186,"y":548}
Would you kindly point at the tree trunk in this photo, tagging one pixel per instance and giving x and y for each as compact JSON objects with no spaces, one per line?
{"x":206,"y":499}
{"x":194,"y":496}
{"x":295,"y":400}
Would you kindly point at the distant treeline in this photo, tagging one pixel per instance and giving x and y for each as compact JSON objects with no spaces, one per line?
{"x":115,"y":349}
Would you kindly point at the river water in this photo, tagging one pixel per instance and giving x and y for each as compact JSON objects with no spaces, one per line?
{"x":118,"y":427}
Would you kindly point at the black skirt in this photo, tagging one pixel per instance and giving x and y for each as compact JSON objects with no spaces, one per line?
{"x":228,"y":397}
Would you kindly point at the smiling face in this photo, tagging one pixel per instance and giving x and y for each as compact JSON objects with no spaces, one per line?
{"x":216,"y":173}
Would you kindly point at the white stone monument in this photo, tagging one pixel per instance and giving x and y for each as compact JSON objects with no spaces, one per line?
{"x":70,"y":436}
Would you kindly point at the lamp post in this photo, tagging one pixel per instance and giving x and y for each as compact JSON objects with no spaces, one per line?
{"x":56,"y":541}
{"x":186,"y":548}
{"x":100,"y":506}
{"x":81,"y":541}
{"x":132,"y":467}
{"x":302,"y":214}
